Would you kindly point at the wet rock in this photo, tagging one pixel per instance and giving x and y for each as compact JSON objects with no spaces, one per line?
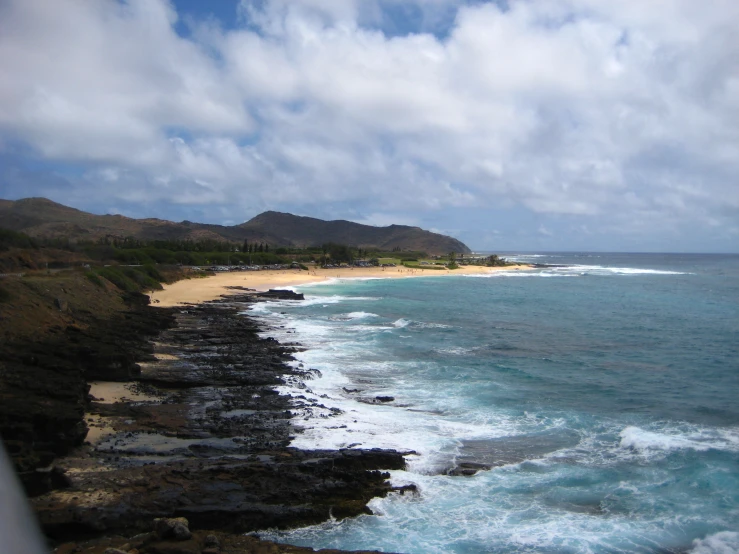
{"x":280,"y":294}
{"x":467,"y":469}
{"x":176,"y":528}
{"x":211,"y":541}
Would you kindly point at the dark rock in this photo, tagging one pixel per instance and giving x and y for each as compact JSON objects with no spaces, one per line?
{"x":169,"y":547}
{"x":279,"y":294}
{"x":176,"y":528}
{"x":384,"y":398}
{"x":467,"y":469}
{"x":43,"y":388}
{"x":220,"y":435}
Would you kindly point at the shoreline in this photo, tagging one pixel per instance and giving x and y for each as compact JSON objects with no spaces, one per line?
{"x":199,"y":290}
{"x":201,"y":433}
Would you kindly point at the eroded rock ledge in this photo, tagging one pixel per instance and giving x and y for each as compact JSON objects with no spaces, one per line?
{"x":204,"y":435}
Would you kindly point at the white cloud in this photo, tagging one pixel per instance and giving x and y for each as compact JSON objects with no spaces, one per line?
{"x":621,"y":111}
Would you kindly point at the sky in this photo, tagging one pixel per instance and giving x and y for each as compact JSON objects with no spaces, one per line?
{"x":508,"y":124}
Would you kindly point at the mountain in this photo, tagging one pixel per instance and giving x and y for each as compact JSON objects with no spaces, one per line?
{"x":307,"y":231}
{"x":40,"y":217}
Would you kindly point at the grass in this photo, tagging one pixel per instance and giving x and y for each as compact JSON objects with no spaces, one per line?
{"x":419,"y":266}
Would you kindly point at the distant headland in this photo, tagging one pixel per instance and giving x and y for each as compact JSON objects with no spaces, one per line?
{"x":42,"y":218}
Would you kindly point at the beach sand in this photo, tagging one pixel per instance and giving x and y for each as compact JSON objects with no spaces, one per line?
{"x":197,"y":290}
{"x":105,"y":392}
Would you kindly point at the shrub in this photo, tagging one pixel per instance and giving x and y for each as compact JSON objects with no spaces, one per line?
{"x":94,"y":278}
{"x":115,"y":276}
{"x":152,"y":272}
{"x":141,"y":278}
{"x":4,"y":295}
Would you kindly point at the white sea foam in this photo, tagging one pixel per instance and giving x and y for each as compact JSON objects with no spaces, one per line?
{"x":335,"y":281}
{"x":349,"y":381}
{"x":633,"y":271}
{"x":263,"y":307}
{"x":580,"y":271}
{"x":427,"y":325}
{"x":725,"y":542}
{"x":516,"y":274}
{"x":603,"y":270}
{"x":454,"y":350}
{"x":353,"y":315}
{"x":641,"y":440}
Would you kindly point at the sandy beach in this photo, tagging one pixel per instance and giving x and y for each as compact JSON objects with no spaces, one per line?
{"x":195,"y":291}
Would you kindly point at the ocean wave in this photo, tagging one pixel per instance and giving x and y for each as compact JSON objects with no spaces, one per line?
{"x":403,"y":322}
{"x":334,"y":281}
{"x":635,"y":438}
{"x":725,"y":542}
{"x":511,"y":256}
{"x":454,"y":350}
{"x":507,"y":274}
{"x":353,"y":315}
{"x":333,"y":299}
{"x":603,"y":270}
{"x":579,"y":271}
{"x":426,"y":325}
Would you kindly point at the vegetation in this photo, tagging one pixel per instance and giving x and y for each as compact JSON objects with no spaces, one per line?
{"x":4,"y":294}
{"x":118,"y":278}
{"x":94,"y":278}
{"x":452,"y":261}
{"x":11,"y":239}
{"x":495,"y":260}
{"x":21,"y":252}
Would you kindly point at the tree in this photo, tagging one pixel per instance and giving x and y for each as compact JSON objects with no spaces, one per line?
{"x":452,"y":260}
{"x":495,"y":260}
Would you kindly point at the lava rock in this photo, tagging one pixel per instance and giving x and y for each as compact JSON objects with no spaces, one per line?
{"x":176,"y":528}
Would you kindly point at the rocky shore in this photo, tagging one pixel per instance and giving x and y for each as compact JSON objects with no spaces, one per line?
{"x":201,"y":434}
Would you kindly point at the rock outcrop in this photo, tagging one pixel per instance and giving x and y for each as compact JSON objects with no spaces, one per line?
{"x":204,"y":437}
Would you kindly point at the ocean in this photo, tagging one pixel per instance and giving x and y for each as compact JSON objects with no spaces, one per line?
{"x":602,"y":393}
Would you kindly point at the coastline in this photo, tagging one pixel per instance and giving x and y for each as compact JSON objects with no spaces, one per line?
{"x":197,"y":291}
{"x":193,"y":413}
{"x":201,"y":433}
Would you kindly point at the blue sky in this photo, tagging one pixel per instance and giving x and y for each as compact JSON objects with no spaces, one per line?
{"x":519,"y":125}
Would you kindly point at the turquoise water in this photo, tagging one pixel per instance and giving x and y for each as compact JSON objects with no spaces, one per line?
{"x":602,"y":393}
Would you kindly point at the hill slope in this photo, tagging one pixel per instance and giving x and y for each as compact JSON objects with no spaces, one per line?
{"x":307,"y":231}
{"x":39,"y":217}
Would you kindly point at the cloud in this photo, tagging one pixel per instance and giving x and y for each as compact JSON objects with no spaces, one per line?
{"x":622,"y":115}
